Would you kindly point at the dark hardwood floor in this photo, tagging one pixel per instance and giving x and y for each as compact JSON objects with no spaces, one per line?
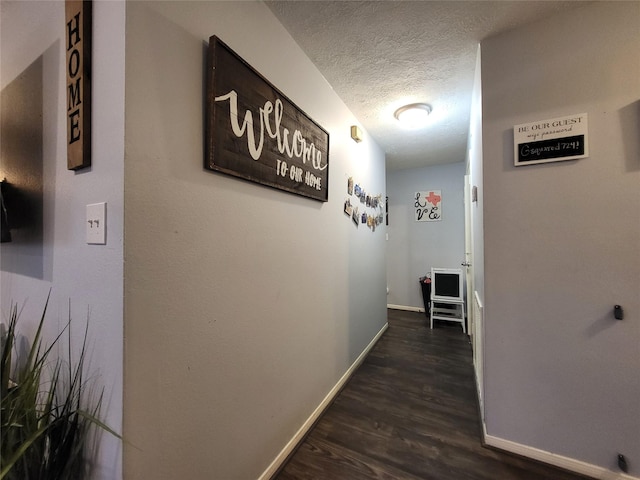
{"x":409,"y":412}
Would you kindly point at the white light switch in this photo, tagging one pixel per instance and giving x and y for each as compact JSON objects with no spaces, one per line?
{"x":97,"y":224}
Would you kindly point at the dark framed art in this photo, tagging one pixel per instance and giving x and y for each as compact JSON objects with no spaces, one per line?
{"x":256,"y":133}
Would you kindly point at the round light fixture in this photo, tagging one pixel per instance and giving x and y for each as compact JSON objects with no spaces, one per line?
{"x":414,"y":115}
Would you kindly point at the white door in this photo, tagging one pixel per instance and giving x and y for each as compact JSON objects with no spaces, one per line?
{"x":474,"y":308}
{"x":467,"y":262}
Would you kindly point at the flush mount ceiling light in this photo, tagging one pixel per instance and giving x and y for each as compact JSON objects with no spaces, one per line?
{"x":414,"y":115}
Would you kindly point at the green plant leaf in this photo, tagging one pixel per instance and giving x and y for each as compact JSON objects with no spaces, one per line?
{"x":8,"y":465}
{"x":48,"y":416}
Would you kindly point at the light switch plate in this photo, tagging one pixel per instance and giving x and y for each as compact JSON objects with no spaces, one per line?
{"x":96,"y":224}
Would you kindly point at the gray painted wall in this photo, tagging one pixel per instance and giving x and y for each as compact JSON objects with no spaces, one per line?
{"x":414,"y":247}
{"x":562,"y":240}
{"x":88,"y":276}
{"x":244,"y":305}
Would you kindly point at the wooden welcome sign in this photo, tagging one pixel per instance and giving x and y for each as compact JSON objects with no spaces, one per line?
{"x":78,"y":20}
{"x":256,"y":133}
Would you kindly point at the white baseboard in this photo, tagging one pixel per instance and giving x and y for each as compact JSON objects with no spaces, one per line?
{"x":306,"y":426}
{"x":552,"y":459}
{"x":480,"y":407}
{"x":403,"y":307}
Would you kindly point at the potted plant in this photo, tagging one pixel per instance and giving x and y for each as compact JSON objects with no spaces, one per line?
{"x":47,"y":409}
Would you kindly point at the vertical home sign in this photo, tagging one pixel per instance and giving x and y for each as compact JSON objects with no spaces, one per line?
{"x":256,"y":133}
{"x":78,"y":68}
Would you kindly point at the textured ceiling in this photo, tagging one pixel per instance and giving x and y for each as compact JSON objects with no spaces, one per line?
{"x":380,"y":55}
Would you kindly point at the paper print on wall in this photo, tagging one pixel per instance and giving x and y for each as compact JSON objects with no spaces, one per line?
{"x":361,"y":214}
{"x":348,"y":208}
{"x":428,"y":206}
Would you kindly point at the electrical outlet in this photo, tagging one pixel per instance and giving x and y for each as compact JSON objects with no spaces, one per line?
{"x":96,"y":224}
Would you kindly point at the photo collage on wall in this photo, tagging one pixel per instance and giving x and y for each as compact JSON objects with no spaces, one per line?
{"x":365,"y":208}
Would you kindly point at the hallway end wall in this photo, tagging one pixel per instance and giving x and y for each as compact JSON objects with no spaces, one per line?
{"x":414,"y":247}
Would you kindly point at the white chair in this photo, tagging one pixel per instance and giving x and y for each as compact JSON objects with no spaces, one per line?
{"x":447,"y":296}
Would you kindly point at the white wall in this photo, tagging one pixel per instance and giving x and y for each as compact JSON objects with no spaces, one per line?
{"x":476,"y":235}
{"x":244,"y":305}
{"x":474,"y":169}
{"x":89,"y":276}
{"x":414,"y":247}
{"x":562,"y":240}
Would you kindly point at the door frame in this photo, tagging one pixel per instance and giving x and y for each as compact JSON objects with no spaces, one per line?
{"x":468,"y":257}
{"x":475,"y":315}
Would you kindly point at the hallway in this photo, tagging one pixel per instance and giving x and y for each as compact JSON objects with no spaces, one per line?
{"x":409,"y":412}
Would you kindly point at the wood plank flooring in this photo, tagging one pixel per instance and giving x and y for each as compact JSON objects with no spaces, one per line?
{"x":409,"y":412}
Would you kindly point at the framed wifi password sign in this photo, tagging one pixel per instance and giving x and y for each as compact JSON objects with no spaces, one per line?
{"x":553,"y":140}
